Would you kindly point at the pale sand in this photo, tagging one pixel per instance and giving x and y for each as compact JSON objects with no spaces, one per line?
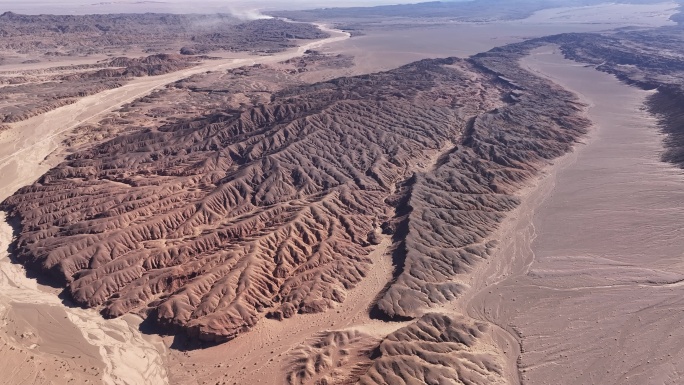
{"x":589,"y":276}
{"x":38,"y":331}
{"x":402,"y":42}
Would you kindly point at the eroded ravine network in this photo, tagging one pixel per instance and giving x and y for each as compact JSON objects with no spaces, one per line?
{"x":27,"y":151}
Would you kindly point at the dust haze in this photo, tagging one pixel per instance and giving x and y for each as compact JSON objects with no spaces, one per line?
{"x":249,"y":10}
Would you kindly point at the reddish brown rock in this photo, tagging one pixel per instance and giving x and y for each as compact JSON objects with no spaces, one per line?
{"x":209,"y":224}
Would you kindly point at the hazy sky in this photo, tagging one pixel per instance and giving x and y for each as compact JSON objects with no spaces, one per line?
{"x":175,"y":6}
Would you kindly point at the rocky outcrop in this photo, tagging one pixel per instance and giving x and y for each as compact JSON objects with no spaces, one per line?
{"x":21,"y":102}
{"x":336,"y":357}
{"x":270,"y":35}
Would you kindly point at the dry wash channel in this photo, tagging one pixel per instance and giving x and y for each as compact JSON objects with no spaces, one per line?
{"x":595,"y":293}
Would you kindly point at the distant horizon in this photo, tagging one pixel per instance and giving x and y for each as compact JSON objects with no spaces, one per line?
{"x":81,"y":7}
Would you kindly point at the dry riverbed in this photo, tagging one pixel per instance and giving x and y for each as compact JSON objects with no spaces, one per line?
{"x":591,"y":284}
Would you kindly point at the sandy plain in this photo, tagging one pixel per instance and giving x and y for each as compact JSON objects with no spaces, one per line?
{"x":33,"y":146}
{"x":388,"y":44}
{"x":591,"y":287}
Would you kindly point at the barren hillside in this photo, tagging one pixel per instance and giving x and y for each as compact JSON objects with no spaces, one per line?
{"x":32,"y":93}
{"x":209,"y":225}
{"x":40,"y":37}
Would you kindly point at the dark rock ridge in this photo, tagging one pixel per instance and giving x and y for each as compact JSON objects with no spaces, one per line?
{"x":668,"y":106}
{"x":271,"y":35}
{"x":89,"y":34}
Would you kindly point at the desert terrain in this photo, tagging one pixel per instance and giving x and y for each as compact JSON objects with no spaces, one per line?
{"x":387,"y":39}
{"x":99,"y":350}
{"x":369,"y":196}
{"x":588,"y":294}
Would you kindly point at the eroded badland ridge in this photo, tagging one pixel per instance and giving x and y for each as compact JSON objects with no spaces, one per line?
{"x":53,"y":61}
{"x":39,"y":37}
{"x":207,"y":225}
{"x":271,"y":191}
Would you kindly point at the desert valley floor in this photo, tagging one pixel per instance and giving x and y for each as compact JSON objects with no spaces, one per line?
{"x":398,"y":195}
